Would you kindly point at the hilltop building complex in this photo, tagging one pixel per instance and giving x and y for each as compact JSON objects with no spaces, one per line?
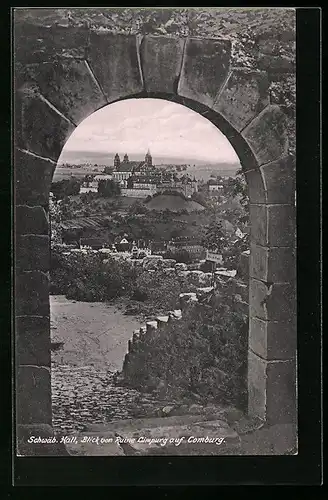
{"x":142,"y":178}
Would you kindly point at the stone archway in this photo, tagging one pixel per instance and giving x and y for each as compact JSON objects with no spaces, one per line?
{"x":67,"y":74}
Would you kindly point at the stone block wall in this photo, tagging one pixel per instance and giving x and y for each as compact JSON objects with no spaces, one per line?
{"x":237,"y":287}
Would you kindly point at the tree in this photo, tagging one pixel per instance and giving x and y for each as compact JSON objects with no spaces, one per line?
{"x":181,"y":255}
{"x":200,"y":198}
{"x":137,"y":208}
{"x":108,"y":188}
{"x":66,"y":208}
{"x":236,"y":187}
{"x":214,"y":238}
{"x":65,"y":187}
{"x":175,"y":233}
{"x":72,"y":236}
{"x":231,"y":253}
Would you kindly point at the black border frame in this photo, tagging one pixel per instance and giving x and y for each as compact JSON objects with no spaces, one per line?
{"x":304,"y":468}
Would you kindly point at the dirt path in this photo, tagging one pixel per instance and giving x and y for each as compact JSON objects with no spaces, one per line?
{"x":93,"y":342}
{"x":93,"y":333}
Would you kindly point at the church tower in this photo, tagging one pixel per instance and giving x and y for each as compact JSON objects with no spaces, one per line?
{"x":148,"y":160}
{"x":126,"y":158}
{"x":117,"y":161}
{"x":194,"y":184}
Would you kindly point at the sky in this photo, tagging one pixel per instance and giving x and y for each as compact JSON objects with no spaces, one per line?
{"x":165,"y":128}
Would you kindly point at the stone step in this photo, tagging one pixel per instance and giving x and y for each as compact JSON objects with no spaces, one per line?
{"x":162,"y":320}
{"x":151,"y":324}
{"x":140,"y":423}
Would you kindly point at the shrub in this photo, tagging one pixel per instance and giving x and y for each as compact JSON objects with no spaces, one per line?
{"x":206,"y":267}
{"x":203,"y":355}
{"x":87,"y":277}
{"x":159,"y":291}
{"x":182,"y":256}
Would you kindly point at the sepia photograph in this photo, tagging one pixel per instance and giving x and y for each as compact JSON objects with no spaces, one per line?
{"x":155,"y":231}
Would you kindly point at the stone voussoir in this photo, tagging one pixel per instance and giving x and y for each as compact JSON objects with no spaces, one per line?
{"x":267,"y":136}
{"x":256,"y":186}
{"x":206,"y":65}
{"x":71,"y":87}
{"x":280,"y":182}
{"x":243,"y":97}
{"x":114,"y":61}
{"x":46,"y":141}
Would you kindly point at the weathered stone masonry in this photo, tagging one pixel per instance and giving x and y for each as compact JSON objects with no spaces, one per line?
{"x":145,"y":338}
{"x":62,"y":75}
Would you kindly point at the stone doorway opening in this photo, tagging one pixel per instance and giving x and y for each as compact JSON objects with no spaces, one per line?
{"x":177,"y":137}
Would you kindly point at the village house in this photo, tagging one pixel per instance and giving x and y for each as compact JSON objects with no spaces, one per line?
{"x":103,"y":177}
{"x":215,"y":187}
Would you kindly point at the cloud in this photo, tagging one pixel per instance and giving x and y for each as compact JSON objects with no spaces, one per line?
{"x":166,"y":128}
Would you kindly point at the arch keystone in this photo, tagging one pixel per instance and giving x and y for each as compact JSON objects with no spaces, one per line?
{"x":161,"y":59}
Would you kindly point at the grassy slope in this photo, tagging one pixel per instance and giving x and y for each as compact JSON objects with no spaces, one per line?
{"x":174,"y":203}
